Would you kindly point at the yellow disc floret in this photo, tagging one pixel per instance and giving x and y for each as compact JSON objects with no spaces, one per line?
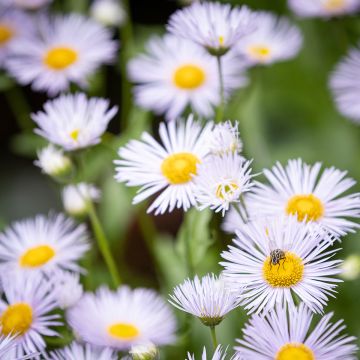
{"x":227,"y":190}
{"x":60,"y":58}
{"x":189,"y":77}
{"x":307,"y":207}
{"x":259,"y":52}
{"x":179,"y":168}
{"x":123,"y":331}
{"x":295,"y":351}
{"x":6,"y":33}
{"x":37,"y":256}
{"x":288,"y":272}
{"x":334,"y":5}
{"x":16,"y":319}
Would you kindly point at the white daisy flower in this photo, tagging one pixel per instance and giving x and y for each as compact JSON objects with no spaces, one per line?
{"x":345,"y":84}
{"x":168,"y":167}
{"x":215,"y":26}
{"x":26,"y":312}
{"x":272,"y":260}
{"x":76,"y":351}
{"x":122,"y":318}
{"x":275,"y":39}
{"x":74,"y":121}
{"x":52,"y":161}
{"x":43,"y":245}
{"x":208,"y":298}
{"x":324,"y":8}
{"x":298,"y":190}
{"x":176,"y":73}
{"x":221,"y":180}
{"x":108,"y":12}
{"x":287,"y":336}
{"x":26,"y":4}
{"x":219,"y":354}
{"x":75,"y":198}
{"x":54,"y":58}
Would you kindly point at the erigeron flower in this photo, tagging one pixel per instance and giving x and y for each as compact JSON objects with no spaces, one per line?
{"x":221,"y":180}
{"x":345,"y":84}
{"x":324,"y":8}
{"x":43,"y":244}
{"x":213,"y":25}
{"x":108,"y":12}
{"x":54,"y":58}
{"x":282,"y":335}
{"x":123,"y":318}
{"x":52,"y":161}
{"x":175,"y":73}
{"x":351,"y":268}
{"x":168,"y":167}
{"x":208,"y":298}
{"x":272,"y":260}
{"x":274,"y":39}
{"x":74,"y":121}
{"x":26,"y":4}
{"x":67,"y":288}
{"x":75,"y":198}
{"x":26,"y":313}
{"x":219,"y":354}
{"x":147,"y":351}
{"x":298,"y":190}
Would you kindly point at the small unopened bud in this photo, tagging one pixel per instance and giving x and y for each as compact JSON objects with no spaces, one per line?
{"x":144,"y":352}
{"x":68,"y":289}
{"x":351,"y":267}
{"x":108,"y":12}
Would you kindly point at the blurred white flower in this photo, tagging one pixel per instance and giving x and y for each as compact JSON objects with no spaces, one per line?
{"x":146,"y":351}
{"x":26,"y":4}
{"x":68,"y":288}
{"x":351,"y":268}
{"x":108,"y":12}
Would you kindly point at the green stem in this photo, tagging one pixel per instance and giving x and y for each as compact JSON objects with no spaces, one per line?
{"x":213,"y":336}
{"x":103,"y":244}
{"x":221,"y":108}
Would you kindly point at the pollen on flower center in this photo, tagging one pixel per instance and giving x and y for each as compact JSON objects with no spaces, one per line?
{"x":6,"y":34}
{"x":189,"y":77}
{"x":60,"y":58}
{"x":226,"y":190}
{"x":332,"y":5}
{"x":16,"y":319}
{"x":75,"y":134}
{"x":288,"y":272}
{"x":307,"y":207}
{"x":180,"y":167}
{"x":295,"y":351}
{"x":259,"y":52}
{"x":123,"y":331}
{"x":37,"y":256}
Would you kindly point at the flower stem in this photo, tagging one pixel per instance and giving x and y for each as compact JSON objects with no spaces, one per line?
{"x":221,"y":107}
{"x":213,"y":336}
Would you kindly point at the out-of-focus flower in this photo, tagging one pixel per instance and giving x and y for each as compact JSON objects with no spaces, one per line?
{"x":324,"y":8}
{"x":54,"y":58}
{"x":351,"y":268}
{"x":74,"y":121}
{"x":108,"y":12}
{"x":221,"y":180}
{"x":75,"y":198}
{"x":168,"y":167}
{"x":68,"y":288}
{"x":345,"y":84}
{"x":52,"y":161}
{"x":298,"y":190}
{"x":43,"y":245}
{"x":219,"y":354}
{"x":26,"y":4}
{"x":283,"y":335}
{"x":275,"y":39}
{"x":144,"y":352}
{"x":215,"y":26}
{"x":208,"y":298}
{"x":273,"y":259}
{"x":122,"y":318}
{"x":176,"y":73}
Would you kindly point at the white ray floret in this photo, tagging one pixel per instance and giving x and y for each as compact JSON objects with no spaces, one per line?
{"x":283,"y":335}
{"x":74,"y":121}
{"x":175,"y":73}
{"x":43,"y":244}
{"x":299,"y":189}
{"x":26,"y":4}
{"x":55,"y":58}
{"x":303,"y":267}
{"x":123,"y":318}
{"x":233,"y":220}
{"x":274,"y":39}
{"x":219,"y":354}
{"x":345,"y":84}
{"x":168,"y":167}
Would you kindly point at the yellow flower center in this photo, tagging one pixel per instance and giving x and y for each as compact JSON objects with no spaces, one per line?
{"x":189,"y":77}
{"x":123,"y":331}
{"x":37,"y":256}
{"x":259,"y":52}
{"x":286,"y":273}
{"x":221,"y":40}
{"x":307,"y":207}
{"x":226,"y":191}
{"x":333,"y":5}
{"x":60,"y":58}
{"x":6,"y":33}
{"x":16,"y":319}
{"x":75,"y":134}
{"x":295,"y":351}
{"x":179,"y":168}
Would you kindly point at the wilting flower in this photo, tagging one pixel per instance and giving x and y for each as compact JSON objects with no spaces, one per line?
{"x":219,"y":354}
{"x":168,"y":167}
{"x":283,"y":336}
{"x":108,"y":12}
{"x":54,"y":58}
{"x":74,"y":121}
{"x":272,"y":260}
{"x":122,"y":318}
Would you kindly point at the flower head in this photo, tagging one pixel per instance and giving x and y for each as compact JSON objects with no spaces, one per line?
{"x":108,"y":12}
